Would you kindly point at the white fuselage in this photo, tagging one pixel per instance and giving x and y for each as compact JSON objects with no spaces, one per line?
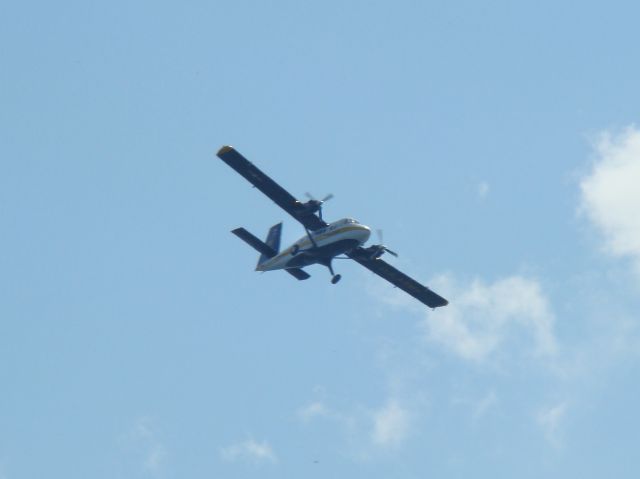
{"x":336,"y":238}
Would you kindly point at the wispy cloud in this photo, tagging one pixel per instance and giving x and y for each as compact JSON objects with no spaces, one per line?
{"x":249,"y":450}
{"x":365,"y":430}
{"x":155,"y":458}
{"x":550,"y":420}
{"x":499,"y":320}
{"x":144,"y":438}
{"x":482,"y":189}
{"x":478,"y":405}
{"x":482,"y":315}
{"x":313,"y":410}
{"x":610,"y":193}
{"x":486,"y":403}
{"x":390,"y":425}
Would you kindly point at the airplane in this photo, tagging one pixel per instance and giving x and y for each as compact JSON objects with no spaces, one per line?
{"x":323,"y":241}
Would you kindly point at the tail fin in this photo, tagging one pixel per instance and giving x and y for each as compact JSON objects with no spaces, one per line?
{"x":267,"y":249}
{"x":272,"y":241}
{"x":270,"y":248}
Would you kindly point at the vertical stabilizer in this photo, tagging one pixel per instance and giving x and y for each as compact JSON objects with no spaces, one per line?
{"x":272,"y":241}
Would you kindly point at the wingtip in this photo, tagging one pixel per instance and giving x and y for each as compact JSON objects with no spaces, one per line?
{"x":224,"y":149}
{"x":442,"y":303}
{"x":439,"y":305}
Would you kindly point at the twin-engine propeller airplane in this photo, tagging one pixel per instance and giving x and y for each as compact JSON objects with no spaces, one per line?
{"x":323,"y":241}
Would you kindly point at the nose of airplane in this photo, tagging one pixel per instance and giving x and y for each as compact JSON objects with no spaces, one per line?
{"x":366,"y":232}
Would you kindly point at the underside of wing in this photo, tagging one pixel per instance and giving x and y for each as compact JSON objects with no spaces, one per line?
{"x":398,"y":278}
{"x":300,"y":211}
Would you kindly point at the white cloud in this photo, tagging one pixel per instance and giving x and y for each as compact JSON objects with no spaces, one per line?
{"x":315,"y":409}
{"x":365,"y":430}
{"x":484,"y":405}
{"x":611,"y":192}
{"x":550,"y":421}
{"x":347,"y":422}
{"x":481,"y":316}
{"x":390,"y":425}
{"x":483,"y":189}
{"x":478,"y":406}
{"x":144,"y":438}
{"x":154,"y":458}
{"x":251,"y":450}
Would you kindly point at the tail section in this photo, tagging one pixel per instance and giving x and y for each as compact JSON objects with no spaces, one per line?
{"x":267,"y":249}
{"x":254,"y":242}
{"x":273,"y":242}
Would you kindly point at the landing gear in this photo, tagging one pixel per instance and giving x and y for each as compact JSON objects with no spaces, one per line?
{"x":334,"y":277}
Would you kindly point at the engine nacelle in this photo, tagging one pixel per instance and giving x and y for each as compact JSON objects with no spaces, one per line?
{"x":375,"y":251}
{"x":309,"y":207}
{"x":312,"y":206}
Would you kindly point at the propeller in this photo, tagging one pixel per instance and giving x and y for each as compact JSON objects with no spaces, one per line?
{"x":316,"y":204}
{"x":380,"y":249}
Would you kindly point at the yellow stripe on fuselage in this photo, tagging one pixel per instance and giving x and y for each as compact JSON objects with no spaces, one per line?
{"x":323,"y":239}
{"x":307,"y":242}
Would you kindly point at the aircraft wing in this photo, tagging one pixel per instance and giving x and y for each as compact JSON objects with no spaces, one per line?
{"x":398,"y":278}
{"x":273,"y":190}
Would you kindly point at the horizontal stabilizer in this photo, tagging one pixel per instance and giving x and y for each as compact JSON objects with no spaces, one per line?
{"x":298,"y":273}
{"x":254,"y":242}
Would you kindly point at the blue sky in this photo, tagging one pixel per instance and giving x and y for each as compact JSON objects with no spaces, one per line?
{"x":496,"y":145}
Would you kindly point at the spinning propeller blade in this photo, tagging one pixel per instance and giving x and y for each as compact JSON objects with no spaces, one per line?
{"x":382,"y":246}
{"x":313,"y":198}
{"x":318,"y":203}
{"x":393,"y":253}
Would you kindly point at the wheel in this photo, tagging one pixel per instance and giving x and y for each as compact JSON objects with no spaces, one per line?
{"x":335,"y":279}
